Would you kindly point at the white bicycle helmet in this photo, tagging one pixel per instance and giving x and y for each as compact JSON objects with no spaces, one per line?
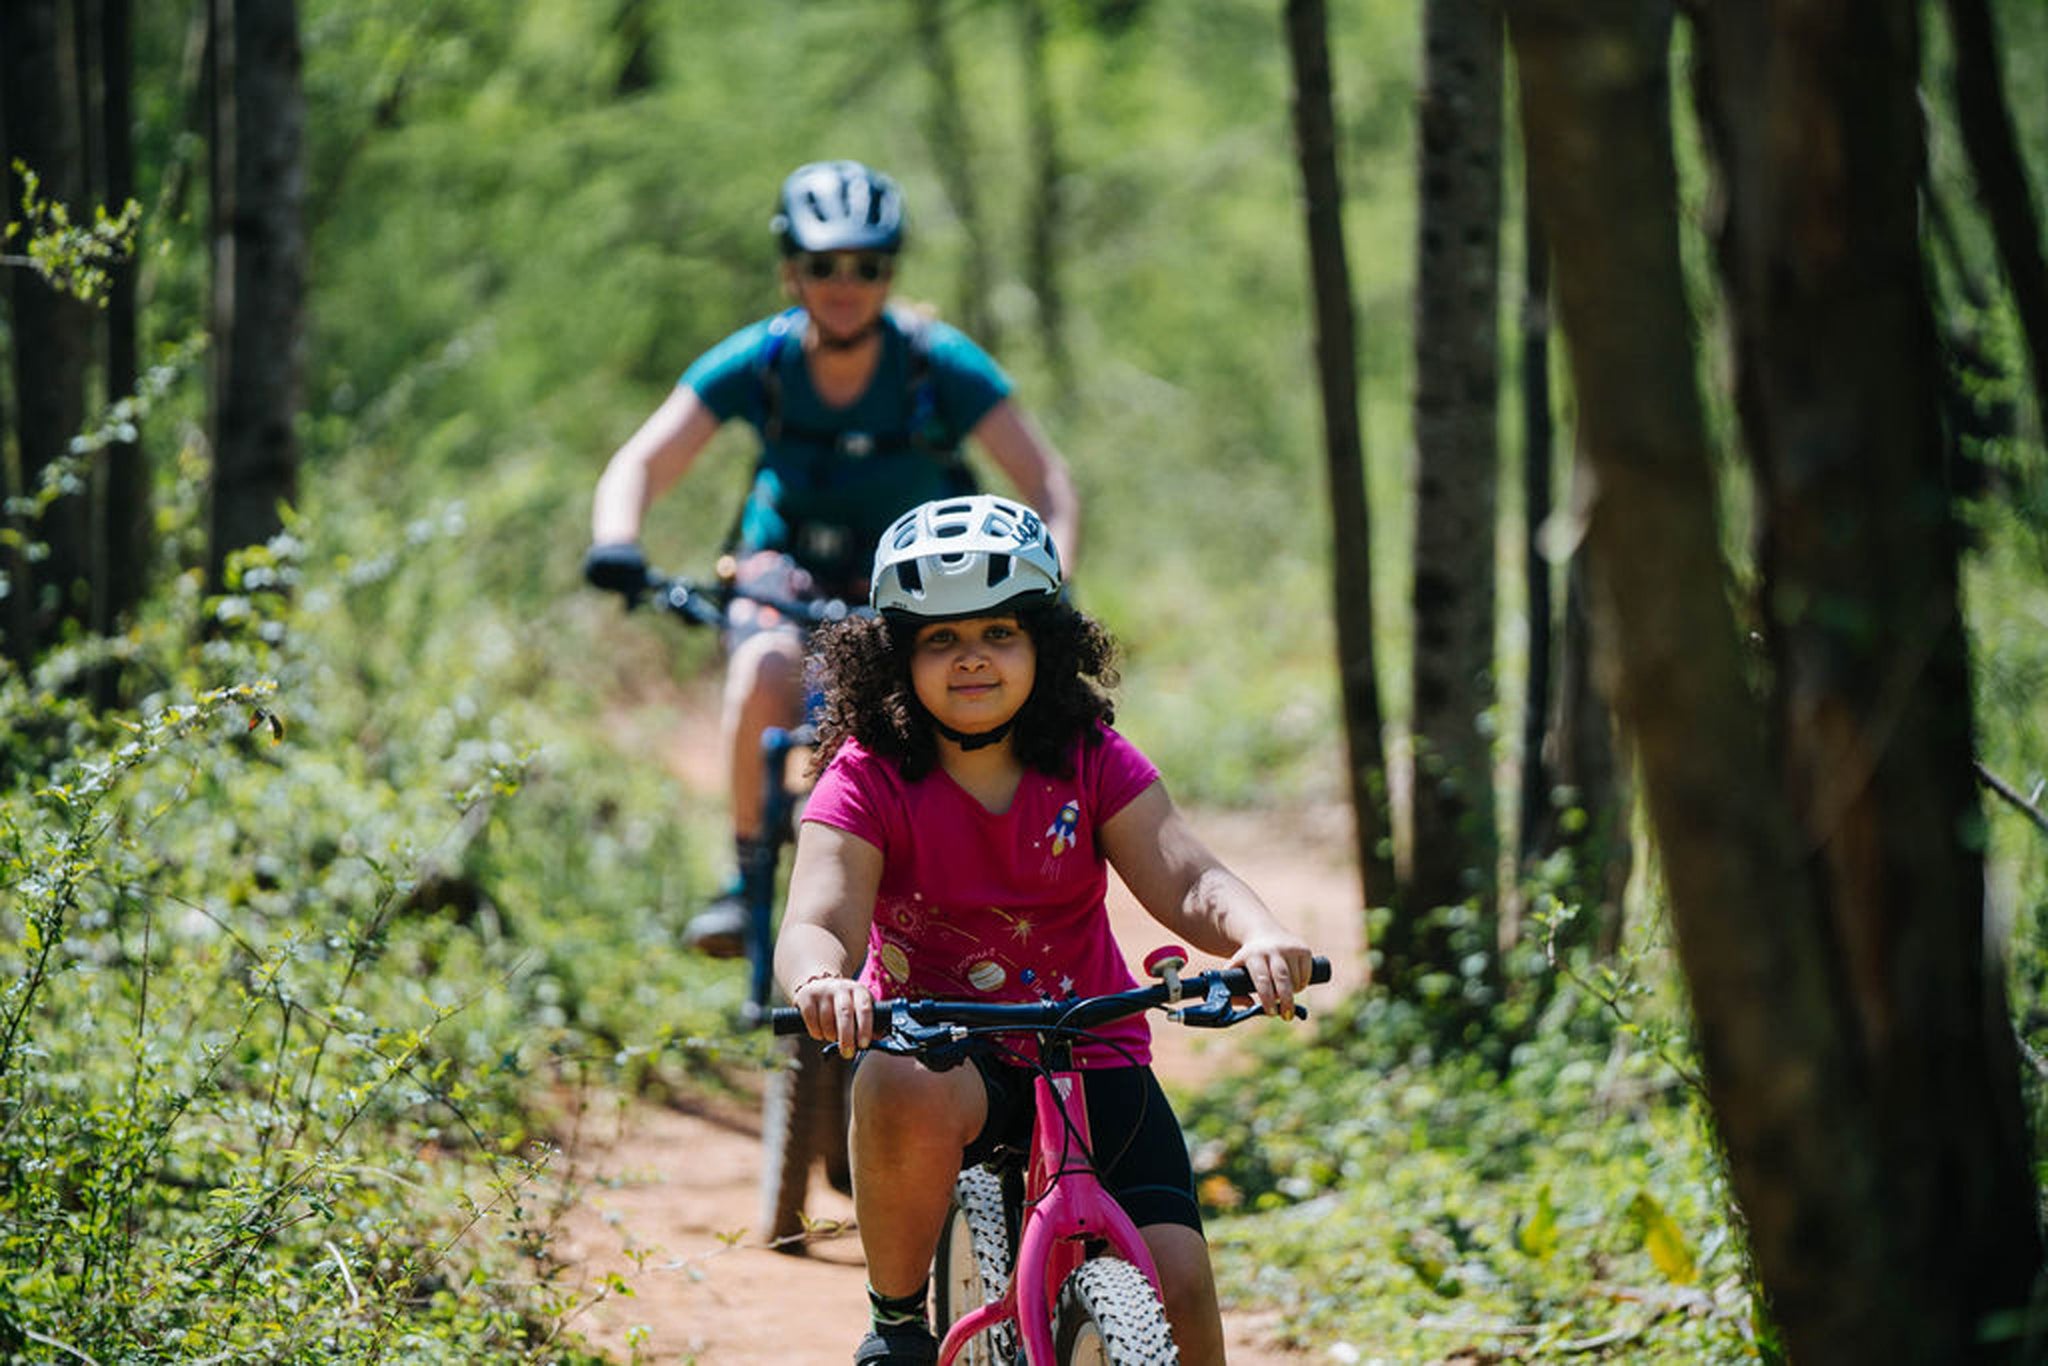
{"x":973,"y":556}
{"x":838,"y":206}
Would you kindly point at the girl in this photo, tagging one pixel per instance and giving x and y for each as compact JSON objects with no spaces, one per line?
{"x":957,"y":844}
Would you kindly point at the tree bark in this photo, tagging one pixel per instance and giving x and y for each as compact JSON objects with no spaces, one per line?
{"x":1343,"y":446}
{"x":2001,"y":175}
{"x":1048,"y":210}
{"x":123,"y":529}
{"x":1457,"y":369}
{"x":1817,"y":824}
{"x":39,"y":110}
{"x":259,"y":272}
{"x":1538,"y":457}
{"x":953,"y":152}
{"x":1586,"y":759}
{"x":1858,"y":553}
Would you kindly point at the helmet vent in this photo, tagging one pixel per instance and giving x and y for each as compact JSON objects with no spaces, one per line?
{"x":998,"y":569}
{"x":912,"y":576}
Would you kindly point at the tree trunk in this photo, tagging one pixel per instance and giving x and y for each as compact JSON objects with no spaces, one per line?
{"x":1048,"y":212}
{"x":1818,"y":841}
{"x":1343,"y":445}
{"x":121,"y":558}
{"x":635,"y":29}
{"x":259,"y":272}
{"x":1538,"y":457}
{"x":51,"y":331}
{"x":1858,"y":552}
{"x":1457,"y":368}
{"x":2001,"y":175}
{"x":953,"y":152}
{"x":1589,"y":819}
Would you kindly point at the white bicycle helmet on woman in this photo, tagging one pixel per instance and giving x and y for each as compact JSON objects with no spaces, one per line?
{"x":974,"y":556}
{"x":838,"y":206}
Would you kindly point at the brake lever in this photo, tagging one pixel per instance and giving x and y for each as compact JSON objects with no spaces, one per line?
{"x":1216,"y":1011}
{"x":940,"y":1047}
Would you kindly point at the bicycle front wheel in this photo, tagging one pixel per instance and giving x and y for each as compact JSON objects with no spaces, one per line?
{"x":1109,"y":1315}
{"x":972,"y":1266}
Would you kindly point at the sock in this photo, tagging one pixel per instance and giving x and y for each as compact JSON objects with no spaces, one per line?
{"x":886,"y":1313}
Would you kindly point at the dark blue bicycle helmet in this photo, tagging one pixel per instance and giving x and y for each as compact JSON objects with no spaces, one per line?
{"x":838,"y":206}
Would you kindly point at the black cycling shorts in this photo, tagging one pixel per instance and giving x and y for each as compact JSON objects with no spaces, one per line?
{"x":1139,"y":1149}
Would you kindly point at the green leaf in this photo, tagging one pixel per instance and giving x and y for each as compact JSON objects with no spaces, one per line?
{"x":1664,"y":1240}
{"x":1536,"y":1235}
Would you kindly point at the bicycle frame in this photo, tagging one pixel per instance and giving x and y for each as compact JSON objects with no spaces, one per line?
{"x":1065,"y":1209}
{"x":778,"y":808}
{"x":800,"y":1122}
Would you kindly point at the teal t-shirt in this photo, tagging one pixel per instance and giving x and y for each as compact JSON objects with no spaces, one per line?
{"x":830,"y":480}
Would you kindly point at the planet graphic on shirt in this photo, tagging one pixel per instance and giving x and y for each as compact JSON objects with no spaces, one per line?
{"x":987,"y":975}
{"x":896,"y":962}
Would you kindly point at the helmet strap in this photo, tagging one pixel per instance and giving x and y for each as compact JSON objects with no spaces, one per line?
{"x":975,"y":740}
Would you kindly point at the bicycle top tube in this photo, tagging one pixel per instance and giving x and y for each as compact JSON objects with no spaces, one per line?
{"x":922,"y":1023}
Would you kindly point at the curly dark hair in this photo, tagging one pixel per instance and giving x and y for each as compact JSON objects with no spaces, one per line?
{"x":862,"y":665}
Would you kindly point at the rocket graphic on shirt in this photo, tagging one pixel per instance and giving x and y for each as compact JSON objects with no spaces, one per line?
{"x":1061,"y":831}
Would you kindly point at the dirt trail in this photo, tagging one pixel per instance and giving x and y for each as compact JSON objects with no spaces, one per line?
{"x":668,"y":1196}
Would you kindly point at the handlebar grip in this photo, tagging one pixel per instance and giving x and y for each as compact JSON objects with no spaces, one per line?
{"x":786,"y":1020}
{"x":1240,"y":982}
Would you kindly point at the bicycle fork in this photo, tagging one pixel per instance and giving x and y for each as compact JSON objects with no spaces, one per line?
{"x":1066,"y":1211}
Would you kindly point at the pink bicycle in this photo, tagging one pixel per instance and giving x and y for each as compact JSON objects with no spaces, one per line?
{"x":1081,"y":1289}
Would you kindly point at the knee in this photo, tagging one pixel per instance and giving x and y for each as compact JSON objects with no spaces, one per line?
{"x":766,"y":670}
{"x":1186,"y":1282}
{"x":902,"y":1108}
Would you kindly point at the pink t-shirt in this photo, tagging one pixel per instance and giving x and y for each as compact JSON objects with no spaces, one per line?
{"x":978,"y":906}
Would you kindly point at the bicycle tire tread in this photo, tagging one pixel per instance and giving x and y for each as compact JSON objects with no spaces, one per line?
{"x":1119,"y":1301}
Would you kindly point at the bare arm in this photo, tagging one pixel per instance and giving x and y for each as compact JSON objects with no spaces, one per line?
{"x":652,"y":459}
{"x":1187,"y":889}
{"x":824,"y":934}
{"x":1029,"y":461}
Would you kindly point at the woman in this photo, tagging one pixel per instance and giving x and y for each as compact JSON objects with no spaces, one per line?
{"x":861,"y":411}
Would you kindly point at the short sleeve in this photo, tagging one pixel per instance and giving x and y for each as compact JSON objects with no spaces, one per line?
{"x":855,"y":793}
{"x":1117,"y":772}
{"x":967,"y":379}
{"x":724,"y":377}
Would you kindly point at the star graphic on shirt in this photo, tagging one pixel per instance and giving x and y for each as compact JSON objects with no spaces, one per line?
{"x":1021,"y":929}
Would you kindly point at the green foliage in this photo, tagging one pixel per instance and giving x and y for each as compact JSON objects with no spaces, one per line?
{"x":298,"y":952}
{"x":75,"y":259}
{"x":1406,"y":1198}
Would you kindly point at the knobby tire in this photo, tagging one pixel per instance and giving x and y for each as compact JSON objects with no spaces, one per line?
{"x":803,"y":1120}
{"x":972,"y":1266}
{"x":1109,"y":1315}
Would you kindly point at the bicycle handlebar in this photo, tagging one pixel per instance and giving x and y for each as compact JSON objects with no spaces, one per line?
{"x":706,"y":605}
{"x":920,"y":1023}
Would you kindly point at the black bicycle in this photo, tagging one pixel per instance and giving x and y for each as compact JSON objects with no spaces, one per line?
{"x":804,"y":1103}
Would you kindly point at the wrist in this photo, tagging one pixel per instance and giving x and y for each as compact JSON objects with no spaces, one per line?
{"x":821,"y":975}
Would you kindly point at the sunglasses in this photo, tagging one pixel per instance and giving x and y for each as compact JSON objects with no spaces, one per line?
{"x":868,"y":267}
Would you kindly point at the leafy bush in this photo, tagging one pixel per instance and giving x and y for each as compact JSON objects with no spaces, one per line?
{"x":303,"y":952}
{"x":1408,"y":1198}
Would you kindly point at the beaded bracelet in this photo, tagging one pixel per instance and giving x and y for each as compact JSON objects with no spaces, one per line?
{"x":820,"y":975}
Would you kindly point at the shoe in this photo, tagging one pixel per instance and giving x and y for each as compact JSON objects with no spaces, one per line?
{"x":910,"y":1345}
{"x":720,"y":929}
